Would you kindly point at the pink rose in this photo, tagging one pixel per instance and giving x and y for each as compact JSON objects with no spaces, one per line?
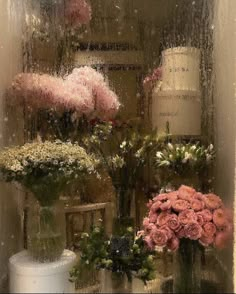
{"x":212,"y":201}
{"x":149,"y":242}
{"x":163,"y":218}
{"x":168,"y":231}
{"x":152,"y":217}
{"x":173,"y":244}
{"x":222,"y":239}
{"x":146,"y":222}
{"x":200,"y":219}
{"x":173,"y":195}
{"x":180,"y":205}
{"x":199,"y":196}
{"x":209,"y":229}
{"x":173,"y":222}
{"x":197,"y":205}
{"x":149,"y":204}
{"x":165,"y":205}
{"x":181,"y":233}
{"x":149,"y":227}
{"x":155,"y":206}
{"x":159,"y":237}
{"x":219,"y":218}
{"x":186,"y":193}
{"x":193,"y":231}
{"x":206,"y":239}
{"x":160,"y":197}
{"x":187,"y":216}
{"x":206,"y":214}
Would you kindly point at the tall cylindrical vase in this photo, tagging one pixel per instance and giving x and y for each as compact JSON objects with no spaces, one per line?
{"x":187,"y":268}
{"x":46,"y":231}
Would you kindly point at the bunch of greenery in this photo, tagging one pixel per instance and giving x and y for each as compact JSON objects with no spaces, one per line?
{"x":45,"y":168}
{"x":184,"y":158}
{"x":124,"y":149}
{"x":123,"y":255}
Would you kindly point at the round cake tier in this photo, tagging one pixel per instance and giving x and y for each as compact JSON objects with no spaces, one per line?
{"x":177,"y":113}
{"x":181,"y":69}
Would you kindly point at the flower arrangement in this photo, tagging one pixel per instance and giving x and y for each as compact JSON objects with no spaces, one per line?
{"x":78,"y":12}
{"x":125,"y":255}
{"x":187,"y":214}
{"x":84,"y":91}
{"x":184,"y":158}
{"x":45,"y":168}
{"x":124,"y":149}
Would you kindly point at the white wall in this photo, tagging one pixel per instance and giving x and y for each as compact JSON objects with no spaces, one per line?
{"x":225,"y":94}
{"x":11,"y":237}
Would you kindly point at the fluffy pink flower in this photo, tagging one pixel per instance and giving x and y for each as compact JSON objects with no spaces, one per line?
{"x":219,"y":218}
{"x":186,"y":193}
{"x":173,"y":222}
{"x":105,"y":100}
{"x":199,"y":196}
{"x":212,"y":201}
{"x":193,"y":231}
{"x":206,"y":215}
{"x":162,"y":218}
{"x":165,"y":205}
{"x":173,"y":243}
{"x":206,"y":239}
{"x":187,"y":216}
{"x":77,"y":12}
{"x":180,"y":205}
{"x":197,"y":204}
{"x":209,"y":229}
{"x":159,"y":237}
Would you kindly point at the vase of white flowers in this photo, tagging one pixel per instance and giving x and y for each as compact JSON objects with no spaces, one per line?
{"x":178,"y":164}
{"x":45,"y":169}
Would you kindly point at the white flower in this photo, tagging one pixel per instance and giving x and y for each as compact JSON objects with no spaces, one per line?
{"x":211,"y":147}
{"x":193,"y":148}
{"x":159,"y":154}
{"x":170,"y":146}
{"x":123,"y":144}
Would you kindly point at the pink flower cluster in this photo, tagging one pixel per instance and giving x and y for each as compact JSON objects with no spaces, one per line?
{"x":78,"y":12}
{"x":186,"y":213}
{"x":155,"y":76}
{"x":84,"y":91}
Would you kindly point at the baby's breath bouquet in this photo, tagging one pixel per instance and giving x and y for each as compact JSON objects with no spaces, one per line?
{"x":184,"y":160}
{"x":45,"y":169}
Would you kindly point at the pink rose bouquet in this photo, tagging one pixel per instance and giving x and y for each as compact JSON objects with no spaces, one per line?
{"x":78,"y":12}
{"x":187,"y":214}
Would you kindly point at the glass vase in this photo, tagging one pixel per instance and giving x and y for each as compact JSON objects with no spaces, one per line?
{"x":187,"y":268}
{"x":46,"y":231}
{"x":115,"y":282}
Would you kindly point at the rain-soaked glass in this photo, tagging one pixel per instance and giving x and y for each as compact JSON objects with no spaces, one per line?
{"x":117,"y":135}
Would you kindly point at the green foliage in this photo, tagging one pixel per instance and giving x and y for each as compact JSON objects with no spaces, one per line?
{"x":131,"y":257}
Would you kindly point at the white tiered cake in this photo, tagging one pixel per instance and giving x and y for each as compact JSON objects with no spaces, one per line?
{"x":176,"y":105}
